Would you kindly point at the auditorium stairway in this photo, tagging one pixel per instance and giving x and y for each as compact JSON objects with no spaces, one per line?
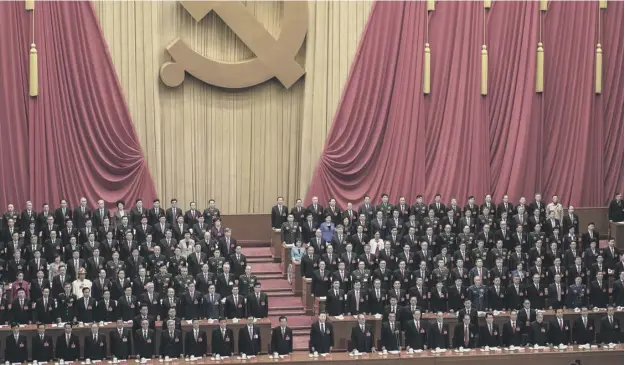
{"x":282,"y":301}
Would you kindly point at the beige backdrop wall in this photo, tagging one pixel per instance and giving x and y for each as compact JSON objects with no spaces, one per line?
{"x":243,"y":147}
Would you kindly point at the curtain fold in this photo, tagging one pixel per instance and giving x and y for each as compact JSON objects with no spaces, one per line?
{"x":79,"y":136}
{"x":387,"y":137}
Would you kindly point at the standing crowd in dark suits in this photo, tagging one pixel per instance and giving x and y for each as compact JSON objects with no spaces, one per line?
{"x":400,"y":259}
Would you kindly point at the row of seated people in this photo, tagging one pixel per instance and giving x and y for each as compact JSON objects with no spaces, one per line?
{"x":125,"y":343}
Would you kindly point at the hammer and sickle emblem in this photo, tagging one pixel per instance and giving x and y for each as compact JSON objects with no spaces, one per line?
{"x":274,"y":57}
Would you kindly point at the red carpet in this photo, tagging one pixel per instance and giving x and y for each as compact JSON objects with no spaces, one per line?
{"x":282,"y":301}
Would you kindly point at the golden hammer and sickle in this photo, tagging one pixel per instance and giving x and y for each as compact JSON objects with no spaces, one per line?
{"x":274,"y":57}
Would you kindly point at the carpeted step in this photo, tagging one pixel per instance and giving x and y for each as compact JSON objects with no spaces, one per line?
{"x":257,"y":252}
{"x":301,"y":332}
{"x":270,"y":276}
{"x":287,"y":303}
{"x":280,"y":294}
{"x":253,"y":243}
{"x":300,"y":343}
{"x":257,"y":260}
{"x":274,"y":285}
{"x":287,"y":312}
{"x":266,"y":268}
{"x":295,"y":322}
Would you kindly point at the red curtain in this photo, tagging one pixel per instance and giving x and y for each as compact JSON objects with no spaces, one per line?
{"x":388,"y":136}
{"x":77,"y":137}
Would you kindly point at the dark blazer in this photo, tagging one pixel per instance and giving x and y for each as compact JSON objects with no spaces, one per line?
{"x":232,"y":310}
{"x":195,"y":347}
{"x":259,"y":308}
{"x":121,"y":344}
{"x":43,"y":350}
{"x":212,"y":309}
{"x":16,"y":351}
{"x":145,"y":347}
{"x":459,"y":336}
{"x":96,"y":349}
{"x":437,"y":337}
{"x":511,"y":336}
{"x":86,"y":312}
{"x":538,"y":333}
{"x":276,"y":218}
{"x":390,"y":339}
{"x":610,"y":333}
{"x":335,"y":304}
{"x":321,"y":342}
{"x":106,"y":313}
{"x":492,"y":338}
{"x":68,"y":351}
{"x":222,"y":345}
{"x":171,"y":346}
{"x":557,"y":335}
{"x":584,"y":334}
{"x":282,"y":344}
{"x":249,"y":345}
{"x":363,"y":341}
{"x":416,"y":338}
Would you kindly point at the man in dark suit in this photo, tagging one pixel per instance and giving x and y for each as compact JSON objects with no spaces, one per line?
{"x":438,"y":333}
{"x":227,"y":244}
{"x":120,"y":341}
{"x":42,"y":345}
{"x":335,"y":299}
{"x":234,"y":305}
{"x":21,"y":308}
{"x":316,"y":210}
{"x":222,"y":340}
{"x":464,"y":334}
{"x":81,"y":214}
{"x":249,"y":338}
{"x":391,"y":335}
{"x":173,"y":212}
{"x":16,"y":348}
{"x":145,"y":343}
{"x":279,"y":213}
{"x":86,"y":307}
{"x":238,"y":262}
{"x":559,"y":329}
{"x":282,"y":338}
{"x":68,"y":345}
{"x":362,"y":339}
{"x":489,"y":334}
{"x":584,"y":328}
{"x":590,"y":236}
{"x":258,"y":303}
{"x":191,"y":303}
{"x":610,"y":330}
{"x":321,"y":336}
{"x":95,"y":344}
{"x":171,"y":341}
{"x":212,"y":303}
{"x":538,"y":331}
{"x":415,"y":332}
{"x":570,"y":219}
{"x":195,"y":341}
{"x":44,"y":308}
{"x":511,"y":332}
{"x":62,"y":214}
{"x":615,"y":209}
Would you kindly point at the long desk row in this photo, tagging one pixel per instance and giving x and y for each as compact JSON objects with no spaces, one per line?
{"x":543,"y":357}
{"x":84,"y":331}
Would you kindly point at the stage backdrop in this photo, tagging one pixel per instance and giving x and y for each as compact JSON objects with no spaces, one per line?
{"x":388,"y":136}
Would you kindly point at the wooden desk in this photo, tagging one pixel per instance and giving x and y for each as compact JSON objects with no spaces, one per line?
{"x":82,"y":332}
{"x":343,"y":330}
{"x":276,"y":244}
{"x":545,"y":357}
{"x":285,"y":259}
{"x":616,"y":230}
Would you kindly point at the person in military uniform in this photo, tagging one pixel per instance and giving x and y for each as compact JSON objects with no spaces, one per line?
{"x":176,"y":261}
{"x":478,"y":294}
{"x":445,"y":257}
{"x":156,"y":260}
{"x":468,"y":221}
{"x":432,"y":222}
{"x":419,"y":209}
{"x":163,"y":281}
{"x":441,"y":273}
{"x":65,"y":304}
{"x":183,"y":280}
{"x":385,"y":207}
{"x":480,"y":252}
{"x":216,"y":262}
{"x":451,"y":220}
{"x":362,"y":276}
{"x":576,"y":294}
{"x":499,"y":252}
{"x":290,"y":230}
{"x":448,"y":237}
{"x":536,"y":235}
{"x":247,"y":282}
{"x":485,"y":219}
{"x":467,"y":237}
